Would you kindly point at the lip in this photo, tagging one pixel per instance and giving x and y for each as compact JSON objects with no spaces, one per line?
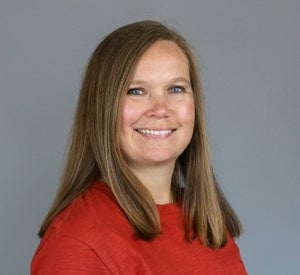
{"x":155,"y":132}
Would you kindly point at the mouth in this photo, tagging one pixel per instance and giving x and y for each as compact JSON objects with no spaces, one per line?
{"x":155,"y":132}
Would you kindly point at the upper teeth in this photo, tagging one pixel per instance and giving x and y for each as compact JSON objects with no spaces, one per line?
{"x":154,"y":132}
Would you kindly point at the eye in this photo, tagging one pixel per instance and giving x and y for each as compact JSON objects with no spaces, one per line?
{"x":176,"y":89}
{"x":135,"y":91}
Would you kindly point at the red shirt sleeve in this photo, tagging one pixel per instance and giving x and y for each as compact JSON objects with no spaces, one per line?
{"x":63,"y":255}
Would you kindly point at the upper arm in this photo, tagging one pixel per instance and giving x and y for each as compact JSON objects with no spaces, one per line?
{"x":66,"y":255}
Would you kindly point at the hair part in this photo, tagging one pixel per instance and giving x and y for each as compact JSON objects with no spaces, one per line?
{"x":95,"y":153}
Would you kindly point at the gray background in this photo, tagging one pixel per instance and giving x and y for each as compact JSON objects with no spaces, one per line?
{"x":249,"y":55}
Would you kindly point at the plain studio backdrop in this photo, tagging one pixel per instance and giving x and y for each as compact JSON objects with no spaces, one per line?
{"x":250,"y":64}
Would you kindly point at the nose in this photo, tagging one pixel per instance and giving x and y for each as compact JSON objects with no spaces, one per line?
{"x":158,"y":106}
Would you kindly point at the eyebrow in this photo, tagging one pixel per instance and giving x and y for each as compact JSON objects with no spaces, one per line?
{"x":175,"y":79}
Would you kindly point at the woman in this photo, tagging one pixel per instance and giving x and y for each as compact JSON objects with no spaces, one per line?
{"x":138,"y":194}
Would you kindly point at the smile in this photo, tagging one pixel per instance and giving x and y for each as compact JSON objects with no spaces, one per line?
{"x":154,"y":132}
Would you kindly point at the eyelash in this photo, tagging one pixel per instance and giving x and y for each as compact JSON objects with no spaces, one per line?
{"x":135,"y":91}
{"x":140,"y":91}
{"x":181,"y":89}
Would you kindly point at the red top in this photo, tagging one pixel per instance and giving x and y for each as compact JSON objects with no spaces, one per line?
{"x":92,"y":236}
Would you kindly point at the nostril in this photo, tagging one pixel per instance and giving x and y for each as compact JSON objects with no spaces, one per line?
{"x":159,"y":110}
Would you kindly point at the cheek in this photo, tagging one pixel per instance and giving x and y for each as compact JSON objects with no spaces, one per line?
{"x":125,"y":134}
{"x":188,"y":112}
{"x":128,"y":115}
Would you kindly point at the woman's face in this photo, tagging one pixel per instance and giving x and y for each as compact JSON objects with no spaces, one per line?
{"x":157,"y":111}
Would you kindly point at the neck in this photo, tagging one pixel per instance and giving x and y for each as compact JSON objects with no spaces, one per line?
{"x":157,"y":180}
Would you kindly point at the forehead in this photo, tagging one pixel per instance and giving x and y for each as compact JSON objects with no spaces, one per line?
{"x":163,"y":57}
{"x":164,"y":48}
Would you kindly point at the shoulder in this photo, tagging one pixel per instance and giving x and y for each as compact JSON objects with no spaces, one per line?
{"x":61,"y":254}
{"x":78,"y":235}
{"x":90,"y":215}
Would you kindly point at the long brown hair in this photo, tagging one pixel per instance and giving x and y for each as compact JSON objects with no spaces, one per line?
{"x":95,"y":152}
